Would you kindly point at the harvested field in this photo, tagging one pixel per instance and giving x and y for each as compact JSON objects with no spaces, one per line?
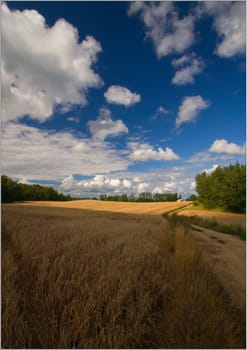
{"x":92,"y":279}
{"x":115,"y":207}
{"x":223,"y":218}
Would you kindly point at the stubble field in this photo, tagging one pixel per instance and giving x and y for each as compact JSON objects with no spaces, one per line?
{"x":75,"y":278}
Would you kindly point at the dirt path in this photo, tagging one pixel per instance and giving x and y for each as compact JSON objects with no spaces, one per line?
{"x":228,"y":254}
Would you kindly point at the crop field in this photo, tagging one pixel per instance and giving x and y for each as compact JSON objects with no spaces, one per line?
{"x":223,"y":218}
{"x":116,"y":207}
{"x":96,"y":279}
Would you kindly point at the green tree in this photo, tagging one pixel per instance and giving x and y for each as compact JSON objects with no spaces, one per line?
{"x":224,"y":187}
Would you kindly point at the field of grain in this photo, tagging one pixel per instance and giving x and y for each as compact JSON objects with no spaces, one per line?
{"x":92,"y":279}
{"x":230,"y":219}
{"x":115,"y":207}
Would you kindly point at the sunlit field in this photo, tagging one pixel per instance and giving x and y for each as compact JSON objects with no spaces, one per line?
{"x":230,"y":219}
{"x":89,"y":279}
{"x":117,"y":207}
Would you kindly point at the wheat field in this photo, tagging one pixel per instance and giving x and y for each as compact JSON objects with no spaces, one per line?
{"x":92,"y":279}
{"x":221,"y":217}
{"x":155,"y":208}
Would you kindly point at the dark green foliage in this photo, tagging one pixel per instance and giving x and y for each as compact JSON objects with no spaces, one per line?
{"x":192,"y":197}
{"x":225,"y":188}
{"x":13,"y":191}
{"x":142,"y":197}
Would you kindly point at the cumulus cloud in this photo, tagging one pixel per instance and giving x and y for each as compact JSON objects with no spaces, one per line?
{"x":143,"y":152}
{"x":190,"y":108}
{"x":126,"y":183}
{"x":105,"y":126}
{"x":169,"y":33}
{"x":100,"y":183}
{"x":34,"y":153}
{"x":223,"y":146}
{"x":121,"y":95}
{"x":44,"y":67}
{"x":166,"y":187}
{"x":175,"y":179}
{"x":142,"y":187}
{"x":229,"y":23}
{"x":97,"y":185}
{"x":189,"y":66}
{"x":210,"y":170}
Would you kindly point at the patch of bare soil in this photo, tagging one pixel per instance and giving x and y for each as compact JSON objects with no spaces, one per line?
{"x":228,"y":254}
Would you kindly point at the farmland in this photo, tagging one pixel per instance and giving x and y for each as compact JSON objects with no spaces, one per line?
{"x":84,"y":278}
{"x":230,"y":219}
{"x":115,"y":207}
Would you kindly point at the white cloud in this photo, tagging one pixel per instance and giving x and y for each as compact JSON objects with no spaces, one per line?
{"x":33,"y":153}
{"x":68,"y":183}
{"x":100,"y":183}
{"x":97,"y":185}
{"x":169,"y":33}
{"x":160,"y":111}
{"x":143,"y":152}
{"x":210,"y":170}
{"x":73,"y":119}
{"x":136,"y":179}
{"x":126,"y":183}
{"x":104,"y":126}
{"x":190,"y":108}
{"x":229,"y":23}
{"x":190,"y":65}
{"x":142,"y":187}
{"x":44,"y":67}
{"x":166,"y":187}
{"x":121,"y":95}
{"x":223,"y":146}
{"x":174,"y":179}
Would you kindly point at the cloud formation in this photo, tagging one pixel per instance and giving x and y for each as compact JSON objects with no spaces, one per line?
{"x":223,"y":146}
{"x":190,"y":108}
{"x":189,"y":66}
{"x":169,"y":33}
{"x":229,"y":23}
{"x":143,"y":152}
{"x":99,"y":184}
{"x":105,"y":126}
{"x":34,"y":153}
{"x":121,"y":95}
{"x":44,"y":67}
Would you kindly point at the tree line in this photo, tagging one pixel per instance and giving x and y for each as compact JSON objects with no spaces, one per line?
{"x":141,"y":197}
{"x":13,"y":191}
{"x":225,"y":188}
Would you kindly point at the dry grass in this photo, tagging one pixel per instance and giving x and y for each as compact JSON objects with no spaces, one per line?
{"x":222,"y":218}
{"x":155,"y":208}
{"x":85,"y":279}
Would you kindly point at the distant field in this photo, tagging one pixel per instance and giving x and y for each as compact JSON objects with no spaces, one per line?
{"x":116,"y":207}
{"x":93,"y":279}
{"x":223,"y":218}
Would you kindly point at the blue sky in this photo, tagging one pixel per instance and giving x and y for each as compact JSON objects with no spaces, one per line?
{"x":115,"y":97}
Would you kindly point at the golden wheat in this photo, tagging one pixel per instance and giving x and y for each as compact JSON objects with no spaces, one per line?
{"x":230,"y":219}
{"x":115,"y":207}
{"x":87,"y":279}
